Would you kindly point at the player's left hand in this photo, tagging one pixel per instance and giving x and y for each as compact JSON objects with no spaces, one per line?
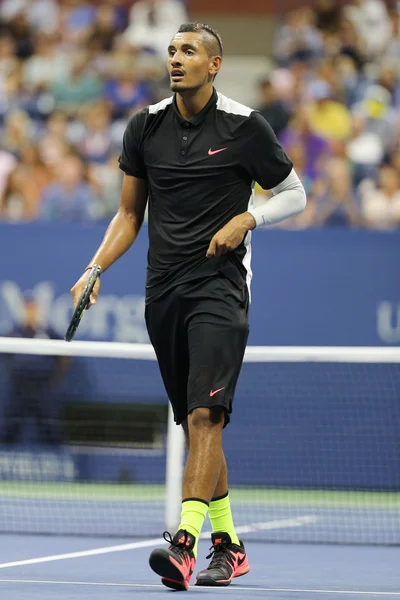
{"x":231,"y":235}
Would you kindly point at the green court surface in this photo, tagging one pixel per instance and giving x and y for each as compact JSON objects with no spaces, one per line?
{"x":126,"y":493}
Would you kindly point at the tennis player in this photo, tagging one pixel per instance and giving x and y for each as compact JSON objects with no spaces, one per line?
{"x":194,"y":157}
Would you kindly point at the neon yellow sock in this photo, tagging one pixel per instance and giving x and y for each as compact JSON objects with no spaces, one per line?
{"x":192,"y":518}
{"x":221,"y":517}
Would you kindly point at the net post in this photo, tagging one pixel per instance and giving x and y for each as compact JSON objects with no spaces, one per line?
{"x":174,"y":473}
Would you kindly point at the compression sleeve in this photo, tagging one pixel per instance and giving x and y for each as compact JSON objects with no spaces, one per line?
{"x":289,"y":199}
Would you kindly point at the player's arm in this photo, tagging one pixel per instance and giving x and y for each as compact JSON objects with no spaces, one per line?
{"x":120,"y":234}
{"x":288,"y":199}
{"x":267,"y":164}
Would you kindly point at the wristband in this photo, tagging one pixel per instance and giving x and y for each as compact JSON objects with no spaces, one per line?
{"x":93,"y":267}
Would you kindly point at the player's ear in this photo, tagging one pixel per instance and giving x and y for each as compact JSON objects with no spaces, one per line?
{"x":214,"y":66}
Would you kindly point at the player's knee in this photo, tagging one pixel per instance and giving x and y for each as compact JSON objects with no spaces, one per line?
{"x":203,"y":418}
{"x":185,"y":428}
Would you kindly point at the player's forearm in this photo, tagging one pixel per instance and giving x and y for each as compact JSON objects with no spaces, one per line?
{"x":119,"y":237}
{"x":288,"y":200}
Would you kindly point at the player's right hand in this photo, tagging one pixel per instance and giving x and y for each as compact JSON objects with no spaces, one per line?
{"x":77,"y":289}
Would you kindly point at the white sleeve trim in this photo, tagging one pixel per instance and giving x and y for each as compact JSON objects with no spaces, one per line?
{"x":288,"y":199}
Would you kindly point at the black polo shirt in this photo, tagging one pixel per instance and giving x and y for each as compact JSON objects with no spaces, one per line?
{"x":200,"y":175}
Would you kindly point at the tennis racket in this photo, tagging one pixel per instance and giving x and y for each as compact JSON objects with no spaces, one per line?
{"x":83,"y":302}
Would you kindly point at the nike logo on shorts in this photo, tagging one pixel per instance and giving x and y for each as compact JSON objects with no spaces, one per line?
{"x":212,"y":393}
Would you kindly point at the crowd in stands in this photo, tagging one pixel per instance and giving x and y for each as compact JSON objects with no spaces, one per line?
{"x":72,"y":72}
{"x":334,"y":102}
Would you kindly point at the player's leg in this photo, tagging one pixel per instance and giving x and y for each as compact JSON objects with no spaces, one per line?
{"x":176,"y":563}
{"x":202,"y":468}
{"x":220,"y":513}
{"x":229,"y":558}
{"x":217,"y":341}
{"x":169,"y":341}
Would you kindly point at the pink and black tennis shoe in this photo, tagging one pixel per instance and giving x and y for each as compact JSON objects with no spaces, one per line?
{"x":227,"y":561}
{"x":176,"y":563}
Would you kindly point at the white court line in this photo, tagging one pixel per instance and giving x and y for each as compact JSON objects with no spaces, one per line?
{"x":221,"y":589}
{"x":253,"y":527}
{"x":277,"y":524}
{"x":94,"y":552}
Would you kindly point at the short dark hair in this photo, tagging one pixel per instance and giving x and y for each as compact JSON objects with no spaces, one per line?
{"x":212,"y":39}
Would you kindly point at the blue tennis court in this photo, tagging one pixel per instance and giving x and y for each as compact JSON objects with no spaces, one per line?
{"x":116,"y":566}
{"x":70,"y":567}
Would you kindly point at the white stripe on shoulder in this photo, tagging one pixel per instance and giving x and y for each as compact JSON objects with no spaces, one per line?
{"x":231,"y":106}
{"x":155,"y":108}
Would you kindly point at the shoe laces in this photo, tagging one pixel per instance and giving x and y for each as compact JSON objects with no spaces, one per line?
{"x":219,"y":555}
{"x":176,"y":547}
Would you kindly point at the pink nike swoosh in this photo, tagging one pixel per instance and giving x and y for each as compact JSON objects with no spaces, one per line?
{"x":212,"y":393}
{"x":211,"y":152}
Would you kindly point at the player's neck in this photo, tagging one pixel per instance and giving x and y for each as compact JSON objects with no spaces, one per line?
{"x":191,"y":102}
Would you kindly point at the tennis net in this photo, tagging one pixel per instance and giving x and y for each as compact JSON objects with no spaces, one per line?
{"x":88,"y":445}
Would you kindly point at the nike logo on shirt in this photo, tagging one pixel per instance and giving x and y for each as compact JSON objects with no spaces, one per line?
{"x":212,"y":152}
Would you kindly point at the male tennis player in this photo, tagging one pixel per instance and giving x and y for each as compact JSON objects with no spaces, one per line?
{"x":194,"y":157}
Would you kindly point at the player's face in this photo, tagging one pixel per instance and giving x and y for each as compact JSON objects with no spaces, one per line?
{"x":189,"y":65}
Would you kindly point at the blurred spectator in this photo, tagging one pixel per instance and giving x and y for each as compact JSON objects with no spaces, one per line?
{"x":70,"y":198}
{"x":316,"y":148}
{"x":380,"y":204}
{"x":42,"y":15}
{"x":389,"y":80}
{"x":351,"y":43}
{"x":285,"y":82}
{"x":328,"y":15}
{"x":395,"y":160}
{"x":107,"y":180}
{"x":53,"y":142}
{"x":298,"y":155}
{"x":8,"y":59}
{"x":33,"y":382}
{"x":381,"y":117}
{"x":7,"y":165}
{"x":10,"y":75}
{"x":21,"y":199}
{"x":364,"y":150}
{"x":371,"y":20}
{"x":272,"y":108}
{"x":298,"y":38}
{"x":392,"y":51}
{"x":104,"y":28}
{"x":328,"y":118}
{"x":126,"y":92}
{"x":79,"y":86}
{"x":77,"y":18}
{"x":47,"y":65}
{"x":18,"y":27}
{"x":337,"y":206}
{"x":13,"y":202}
{"x":152,"y":24}
{"x":350,"y":79}
{"x":96,"y":145}
{"x":17,"y":132}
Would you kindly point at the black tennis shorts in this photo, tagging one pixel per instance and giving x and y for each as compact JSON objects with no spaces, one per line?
{"x":199,"y":331}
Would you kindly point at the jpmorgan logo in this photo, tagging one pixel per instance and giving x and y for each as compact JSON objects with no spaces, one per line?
{"x":115,"y":318}
{"x":388,"y":322}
